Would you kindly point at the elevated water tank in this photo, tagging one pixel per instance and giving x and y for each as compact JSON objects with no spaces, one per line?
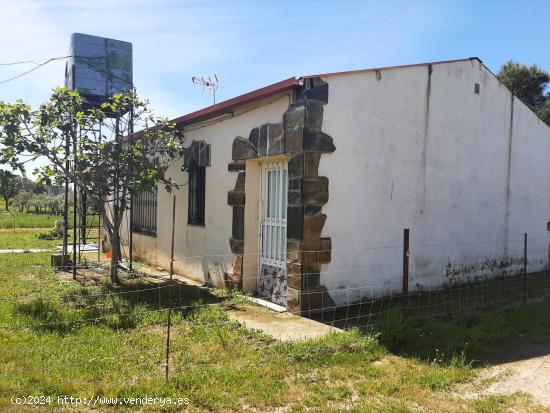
{"x":98,"y":67}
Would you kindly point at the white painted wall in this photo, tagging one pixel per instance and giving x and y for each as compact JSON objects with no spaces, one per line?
{"x":466,"y":172}
{"x":439,"y":166}
{"x":202,"y":252}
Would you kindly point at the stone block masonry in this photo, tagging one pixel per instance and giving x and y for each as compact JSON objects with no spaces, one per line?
{"x":299,"y":136}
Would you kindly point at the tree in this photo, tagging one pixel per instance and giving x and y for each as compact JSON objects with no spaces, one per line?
{"x":544,"y":111}
{"x":8,"y":186}
{"x":106,"y":168}
{"x":23,"y":201}
{"x":526,"y":82}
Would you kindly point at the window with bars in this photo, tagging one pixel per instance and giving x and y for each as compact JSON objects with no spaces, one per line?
{"x":144,"y":214}
{"x":197,"y":183}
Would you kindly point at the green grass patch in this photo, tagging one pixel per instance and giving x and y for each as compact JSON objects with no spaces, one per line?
{"x":332,"y":346}
{"x":495,"y":403}
{"x":24,"y":220}
{"x":61,"y":337}
{"x":472,"y":338}
{"x":30,"y":220}
{"x":27,"y":239}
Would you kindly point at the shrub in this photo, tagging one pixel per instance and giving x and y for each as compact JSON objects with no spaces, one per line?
{"x":48,"y":235}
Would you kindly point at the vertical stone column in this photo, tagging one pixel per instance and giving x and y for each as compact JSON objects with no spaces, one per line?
{"x":307,"y":193}
{"x":242,"y":150}
{"x":299,"y":136}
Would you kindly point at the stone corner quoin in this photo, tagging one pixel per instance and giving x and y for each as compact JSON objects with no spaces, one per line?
{"x":299,"y":136}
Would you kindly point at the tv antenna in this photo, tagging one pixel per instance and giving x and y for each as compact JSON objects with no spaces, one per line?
{"x":208,"y":83}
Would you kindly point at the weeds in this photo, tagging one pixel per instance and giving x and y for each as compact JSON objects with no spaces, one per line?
{"x":48,"y":235}
{"x":332,"y":345}
{"x":218,"y":363}
{"x":447,"y":339}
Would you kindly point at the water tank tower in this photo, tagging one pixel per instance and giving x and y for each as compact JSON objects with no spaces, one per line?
{"x":98,"y":67}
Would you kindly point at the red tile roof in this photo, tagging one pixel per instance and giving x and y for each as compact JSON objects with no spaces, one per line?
{"x":227,"y":105}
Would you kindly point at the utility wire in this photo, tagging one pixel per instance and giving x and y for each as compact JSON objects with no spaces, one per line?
{"x":19,"y":63}
{"x":39,"y":65}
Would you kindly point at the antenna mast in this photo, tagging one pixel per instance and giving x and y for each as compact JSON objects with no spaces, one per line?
{"x":208,"y":83}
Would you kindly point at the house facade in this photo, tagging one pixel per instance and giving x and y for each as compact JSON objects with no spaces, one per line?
{"x":299,"y":192}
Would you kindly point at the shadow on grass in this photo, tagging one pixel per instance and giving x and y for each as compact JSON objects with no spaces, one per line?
{"x":482,"y":338}
{"x":140,"y":299}
{"x":472,"y":322}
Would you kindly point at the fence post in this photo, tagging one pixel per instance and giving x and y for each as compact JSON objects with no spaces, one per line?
{"x":99,"y":237}
{"x":131,"y":234}
{"x":405,"y":261}
{"x":168,"y":344}
{"x":525,"y":267}
{"x":172,"y":247}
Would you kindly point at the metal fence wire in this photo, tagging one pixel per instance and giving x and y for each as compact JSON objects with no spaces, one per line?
{"x":494,"y":283}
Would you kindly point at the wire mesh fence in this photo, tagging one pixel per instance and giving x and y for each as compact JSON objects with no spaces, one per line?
{"x":460,"y":280}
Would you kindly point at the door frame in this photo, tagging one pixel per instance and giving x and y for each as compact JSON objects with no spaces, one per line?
{"x":282,"y":202}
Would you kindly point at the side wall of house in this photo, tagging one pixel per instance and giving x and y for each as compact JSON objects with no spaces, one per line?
{"x":467,"y":173}
{"x":203,"y":253}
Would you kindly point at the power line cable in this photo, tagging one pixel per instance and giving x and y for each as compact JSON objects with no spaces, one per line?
{"x":39,"y":65}
{"x":31,"y":70}
{"x":20,"y":63}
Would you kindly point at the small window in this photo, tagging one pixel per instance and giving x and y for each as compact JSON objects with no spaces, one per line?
{"x":197,"y":181}
{"x":144,"y":214}
{"x":477,"y":87}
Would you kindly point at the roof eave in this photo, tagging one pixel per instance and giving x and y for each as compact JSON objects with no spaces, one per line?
{"x":375,"y":69}
{"x":227,"y":105}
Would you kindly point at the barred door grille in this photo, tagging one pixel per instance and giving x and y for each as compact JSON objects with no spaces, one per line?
{"x":273,"y":232}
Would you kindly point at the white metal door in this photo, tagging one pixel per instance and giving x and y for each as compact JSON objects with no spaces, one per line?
{"x":272,"y":281}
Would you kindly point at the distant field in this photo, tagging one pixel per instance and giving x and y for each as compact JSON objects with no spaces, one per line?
{"x":35,"y":220}
{"x":7,"y":220}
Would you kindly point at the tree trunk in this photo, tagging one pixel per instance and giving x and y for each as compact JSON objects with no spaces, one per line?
{"x":6,"y":199}
{"x":115,"y":253}
{"x":113,"y":234}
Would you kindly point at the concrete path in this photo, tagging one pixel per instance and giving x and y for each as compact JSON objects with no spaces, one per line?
{"x":275,"y":322}
{"x":281,"y":326}
{"x":81,"y":248}
{"x":21,"y":251}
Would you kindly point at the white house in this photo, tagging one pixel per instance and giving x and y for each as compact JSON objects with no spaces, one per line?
{"x":300,"y":191}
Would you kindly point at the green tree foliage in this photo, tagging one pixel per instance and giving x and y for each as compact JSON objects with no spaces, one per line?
{"x":526,"y":82}
{"x":8,"y":186}
{"x":103,"y":166}
{"x":544,"y":111}
{"x":23,"y":201}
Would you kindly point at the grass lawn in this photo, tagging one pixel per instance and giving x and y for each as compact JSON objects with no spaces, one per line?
{"x":23,"y":220}
{"x":28,"y":220}
{"x":216,"y":363}
{"x":25,"y":240}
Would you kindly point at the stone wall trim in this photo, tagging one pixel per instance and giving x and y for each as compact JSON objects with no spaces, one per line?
{"x":299,"y":136}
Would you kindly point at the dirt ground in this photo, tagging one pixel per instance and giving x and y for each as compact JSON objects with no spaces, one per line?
{"x":519,"y":365}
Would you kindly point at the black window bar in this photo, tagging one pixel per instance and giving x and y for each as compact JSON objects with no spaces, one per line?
{"x":144,"y":217}
{"x":197,"y":183}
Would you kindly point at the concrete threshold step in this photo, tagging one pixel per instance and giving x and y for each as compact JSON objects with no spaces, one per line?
{"x":258,"y":314}
{"x":282,"y":326}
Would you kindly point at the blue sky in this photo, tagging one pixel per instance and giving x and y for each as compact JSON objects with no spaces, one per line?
{"x":253,"y":43}
{"x":250,"y":44}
